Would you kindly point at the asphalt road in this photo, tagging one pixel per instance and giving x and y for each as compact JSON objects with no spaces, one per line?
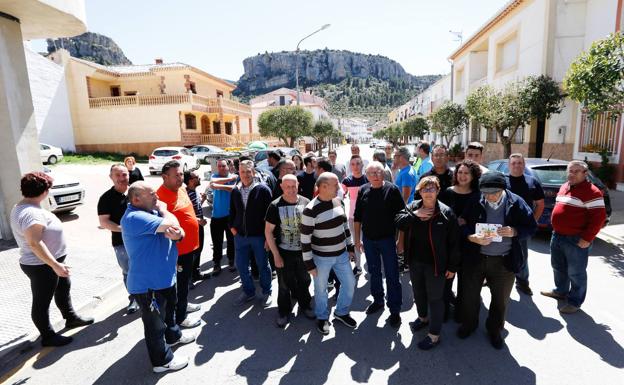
{"x":241,"y":345}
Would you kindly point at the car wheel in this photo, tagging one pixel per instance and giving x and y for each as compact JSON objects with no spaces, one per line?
{"x":52,"y":159}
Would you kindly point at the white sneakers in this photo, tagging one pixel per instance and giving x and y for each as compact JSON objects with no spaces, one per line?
{"x":190,"y":322}
{"x":192,"y":307}
{"x":176,"y":363}
{"x":186,"y":338}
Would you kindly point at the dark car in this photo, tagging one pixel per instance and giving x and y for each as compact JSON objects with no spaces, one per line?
{"x":260,"y":158}
{"x":551,"y":173}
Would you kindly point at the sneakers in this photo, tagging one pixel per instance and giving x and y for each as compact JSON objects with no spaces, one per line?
{"x":428,"y":343}
{"x":192,"y":307}
{"x":78,"y":321}
{"x":374,"y":308}
{"x":185,"y":338}
{"x":553,"y":294}
{"x":190,"y":323}
{"x":243,"y":298}
{"x":56,"y":340}
{"x":568,"y":309}
{"x":523,"y":287}
{"x":496,"y":339}
{"x":346,"y":319}
{"x":394,"y":320}
{"x":418,"y":325}
{"x":322,"y":326}
{"x":266,"y":300}
{"x":309,"y":313}
{"x":176,"y":363}
{"x":357,"y":271}
{"x":132,"y":307}
{"x":281,"y":321}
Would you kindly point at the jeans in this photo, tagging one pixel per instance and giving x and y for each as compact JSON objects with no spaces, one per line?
{"x":185,"y":271}
{"x":523,"y":275}
{"x":217,"y":227}
{"x":569,"y":263}
{"x":244,"y":247}
{"x":342,"y":267}
{"x":500,"y":281}
{"x":159,"y":324}
{"x":428,"y":295}
{"x":197,"y":253}
{"x":384,"y":250}
{"x":358,"y":255}
{"x":45,"y":284}
{"x":294,"y":282}
{"x":122,"y":260}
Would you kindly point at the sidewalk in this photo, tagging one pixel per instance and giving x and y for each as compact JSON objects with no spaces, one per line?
{"x":614,"y":233}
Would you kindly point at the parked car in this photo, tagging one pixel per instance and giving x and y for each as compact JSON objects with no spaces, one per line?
{"x":162,"y":155}
{"x":372,"y":144}
{"x":50,"y":154}
{"x":204,"y":152}
{"x":551,"y":173}
{"x":260,"y":158}
{"x":381,"y":144}
{"x":66,"y":192}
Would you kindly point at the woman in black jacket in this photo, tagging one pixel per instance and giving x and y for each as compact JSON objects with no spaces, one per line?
{"x":432,"y":252}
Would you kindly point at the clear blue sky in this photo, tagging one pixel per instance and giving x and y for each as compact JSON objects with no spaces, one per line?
{"x":217,"y":35}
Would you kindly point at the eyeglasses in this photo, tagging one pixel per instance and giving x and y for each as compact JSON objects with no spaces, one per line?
{"x":429,"y":190}
{"x":373,"y":173}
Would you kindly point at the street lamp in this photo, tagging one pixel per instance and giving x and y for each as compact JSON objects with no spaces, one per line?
{"x":297,"y":58}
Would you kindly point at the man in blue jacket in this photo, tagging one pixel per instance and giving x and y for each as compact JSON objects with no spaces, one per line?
{"x":248,"y":206}
{"x":494,"y":256}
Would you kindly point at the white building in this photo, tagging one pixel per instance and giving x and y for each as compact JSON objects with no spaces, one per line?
{"x":287,"y":97}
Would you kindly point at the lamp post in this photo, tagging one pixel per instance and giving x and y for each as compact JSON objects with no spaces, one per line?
{"x":297,"y":58}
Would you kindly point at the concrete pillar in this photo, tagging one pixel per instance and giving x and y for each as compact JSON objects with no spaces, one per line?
{"x":19,"y":143}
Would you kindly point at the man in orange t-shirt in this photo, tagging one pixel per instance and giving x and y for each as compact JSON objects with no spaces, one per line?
{"x":178,"y":203}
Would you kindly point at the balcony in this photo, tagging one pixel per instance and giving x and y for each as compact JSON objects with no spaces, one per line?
{"x":192,"y":101}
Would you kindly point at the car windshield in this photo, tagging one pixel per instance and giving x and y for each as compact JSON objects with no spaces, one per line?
{"x":165,"y":152}
{"x":551,"y":174}
{"x":262,"y":155}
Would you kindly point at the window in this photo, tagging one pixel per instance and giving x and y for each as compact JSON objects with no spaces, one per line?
{"x":519,"y":136}
{"x":115,"y":91}
{"x":219,"y":94}
{"x":191,"y":122}
{"x":130,"y":93}
{"x":459,"y":80}
{"x":282,"y":101}
{"x":491,"y":136}
{"x":475,"y":132}
{"x":507,"y":53}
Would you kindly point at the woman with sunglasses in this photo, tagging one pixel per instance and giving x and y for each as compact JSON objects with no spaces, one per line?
{"x":432,"y":253}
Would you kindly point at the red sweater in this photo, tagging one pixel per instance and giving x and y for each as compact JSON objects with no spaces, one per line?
{"x":579,"y":210}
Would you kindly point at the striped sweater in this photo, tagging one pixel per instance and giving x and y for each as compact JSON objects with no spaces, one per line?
{"x":579,"y":210}
{"x":324,"y":230}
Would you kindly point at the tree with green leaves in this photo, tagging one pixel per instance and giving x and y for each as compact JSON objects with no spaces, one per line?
{"x":287,"y":123}
{"x":321,"y":131}
{"x":596,"y":77}
{"x":415,"y":127}
{"x":545,"y":99}
{"x":450,"y":120}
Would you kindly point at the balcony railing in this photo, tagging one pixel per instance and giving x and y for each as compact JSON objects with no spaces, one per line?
{"x":600,"y":134}
{"x":203,"y":103}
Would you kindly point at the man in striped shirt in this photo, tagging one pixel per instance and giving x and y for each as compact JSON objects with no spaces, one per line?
{"x":577,"y":217}
{"x":192,"y":180}
{"x":326,"y":244}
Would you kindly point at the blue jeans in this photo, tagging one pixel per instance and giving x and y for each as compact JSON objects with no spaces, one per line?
{"x":384,"y":250}
{"x":342,"y":267}
{"x":160,"y":327}
{"x":122,"y":261}
{"x":523,"y":274}
{"x":569,"y":263}
{"x":244,"y":246}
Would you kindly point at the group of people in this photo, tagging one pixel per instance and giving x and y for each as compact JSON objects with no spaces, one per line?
{"x":311,"y":219}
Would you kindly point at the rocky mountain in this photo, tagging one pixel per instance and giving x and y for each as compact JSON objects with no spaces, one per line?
{"x":93,"y":47}
{"x":354,"y":84}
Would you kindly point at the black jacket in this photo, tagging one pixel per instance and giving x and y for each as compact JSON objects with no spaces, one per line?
{"x":249,"y":221}
{"x":517,"y":215}
{"x":444,"y":236}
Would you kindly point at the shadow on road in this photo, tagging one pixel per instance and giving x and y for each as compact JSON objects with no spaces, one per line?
{"x":596,"y":337}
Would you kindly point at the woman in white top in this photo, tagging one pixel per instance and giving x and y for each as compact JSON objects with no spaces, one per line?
{"x":39,"y":236}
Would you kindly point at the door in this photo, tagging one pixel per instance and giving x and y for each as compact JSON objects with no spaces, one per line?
{"x":539,"y":137}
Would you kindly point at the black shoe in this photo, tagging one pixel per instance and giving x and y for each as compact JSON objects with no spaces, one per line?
{"x":322,"y":326}
{"x":496,"y":339}
{"x":200,"y":276}
{"x":418,"y":324}
{"x":524,"y":287}
{"x":132,"y":307}
{"x":231,"y":267}
{"x":346,"y":319}
{"x":78,"y":321}
{"x":374,"y":308}
{"x":216,"y":270}
{"x":56,"y":340}
{"x":428,"y":344}
{"x":464,"y":332}
{"x":191,"y":285}
{"x":357,"y":271}
{"x":394,"y":320}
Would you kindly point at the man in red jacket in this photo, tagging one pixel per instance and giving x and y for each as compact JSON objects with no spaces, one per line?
{"x":577,"y":217}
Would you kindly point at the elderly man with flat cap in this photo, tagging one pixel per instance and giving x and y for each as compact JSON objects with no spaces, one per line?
{"x":495,"y":227}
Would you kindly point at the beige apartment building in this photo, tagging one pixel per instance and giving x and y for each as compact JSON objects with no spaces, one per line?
{"x":137,"y":108}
